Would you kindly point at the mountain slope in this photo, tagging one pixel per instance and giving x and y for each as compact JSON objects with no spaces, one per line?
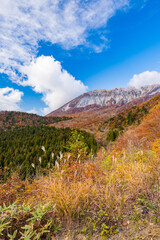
{"x":102,"y":99}
{"x":97,"y":122}
{"x":10,"y":119}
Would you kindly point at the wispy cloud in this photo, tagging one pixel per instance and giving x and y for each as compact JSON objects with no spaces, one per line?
{"x":145,"y":78}
{"x":69,"y":23}
{"x":24,"y":23}
{"x":10,"y":99}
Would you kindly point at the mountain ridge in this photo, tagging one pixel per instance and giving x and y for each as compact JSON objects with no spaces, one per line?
{"x":102,"y":98}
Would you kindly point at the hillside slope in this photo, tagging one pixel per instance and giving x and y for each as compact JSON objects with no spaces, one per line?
{"x":96,"y":122}
{"x":10,"y":119}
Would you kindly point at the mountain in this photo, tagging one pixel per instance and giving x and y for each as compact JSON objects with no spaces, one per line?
{"x":103,"y":99}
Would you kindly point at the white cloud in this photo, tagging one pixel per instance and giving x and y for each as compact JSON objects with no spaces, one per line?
{"x":33,"y":110}
{"x":69,"y":23}
{"x":24,"y":24}
{"x":10,"y":99}
{"x":46,"y":76}
{"x":145,"y":78}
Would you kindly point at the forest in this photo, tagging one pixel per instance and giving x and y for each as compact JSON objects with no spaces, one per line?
{"x":11,"y":119}
{"x":29,"y":150}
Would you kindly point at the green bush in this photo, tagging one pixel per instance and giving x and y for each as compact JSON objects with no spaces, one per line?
{"x":112,"y":135}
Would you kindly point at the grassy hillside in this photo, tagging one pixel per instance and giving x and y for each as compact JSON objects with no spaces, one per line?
{"x":123,"y":121}
{"x":112,"y":196}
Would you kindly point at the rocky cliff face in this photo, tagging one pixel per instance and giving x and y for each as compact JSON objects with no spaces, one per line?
{"x":97,"y":99}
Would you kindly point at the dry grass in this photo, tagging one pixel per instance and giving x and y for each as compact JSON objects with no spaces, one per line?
{"x":92,"y":193}
{"x":99,"y":196}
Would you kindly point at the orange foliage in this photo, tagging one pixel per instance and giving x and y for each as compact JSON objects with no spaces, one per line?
{"x":150,"y":128}
{"x":156,"y":147}
{"x":76,"y":171}
{"x":144,"y":134}
{"x":10,"y":190}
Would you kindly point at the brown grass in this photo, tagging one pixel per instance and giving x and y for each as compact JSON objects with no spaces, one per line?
{"x":99,"y":192}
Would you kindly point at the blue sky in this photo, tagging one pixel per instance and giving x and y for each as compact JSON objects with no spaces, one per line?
{"x":53,"y":51}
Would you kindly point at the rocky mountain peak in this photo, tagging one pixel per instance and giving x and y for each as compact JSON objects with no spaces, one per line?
{"x":96,"y":99}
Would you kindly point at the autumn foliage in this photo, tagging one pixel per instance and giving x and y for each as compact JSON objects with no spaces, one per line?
{"x":94,"y":196}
